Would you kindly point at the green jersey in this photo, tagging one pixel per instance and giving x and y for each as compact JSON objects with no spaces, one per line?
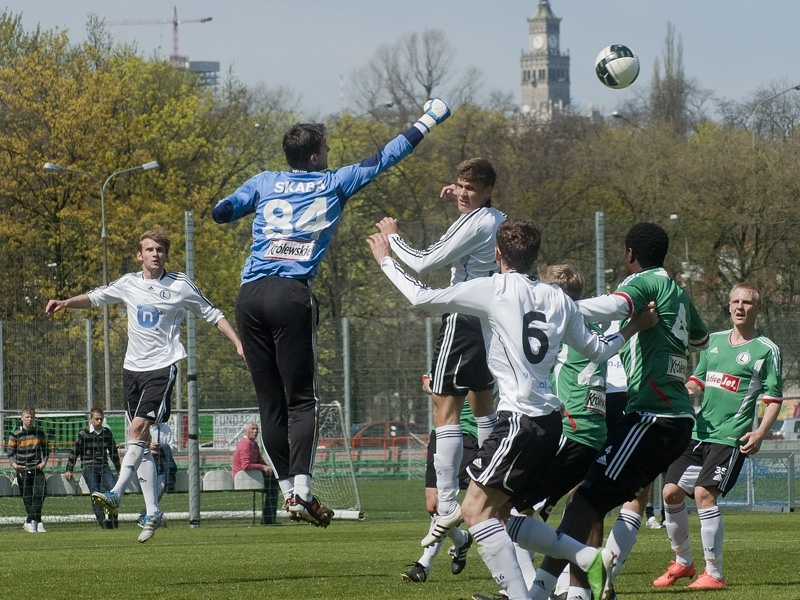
{"x":733,"y":377}
{"x":581,"y":385}
{"x":467,"y":421}
{"x":656,"y":360}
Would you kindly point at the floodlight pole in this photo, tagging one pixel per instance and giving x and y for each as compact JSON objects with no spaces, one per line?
{"x":762,"y":103}
{"x":48,"y":166}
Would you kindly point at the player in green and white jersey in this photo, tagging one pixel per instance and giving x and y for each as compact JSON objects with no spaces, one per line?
{"x":739,"y":365}
{"x":659,"y":416}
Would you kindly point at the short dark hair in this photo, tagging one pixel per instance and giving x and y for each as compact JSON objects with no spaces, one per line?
{"x":477,"y":170}
{"x":158,"y":235}
{"x":648,"y":243}
{"x":518,"y":241}
{"x":97,"y":411}
{"x":301,"y":141}
{"x":567,"y":277}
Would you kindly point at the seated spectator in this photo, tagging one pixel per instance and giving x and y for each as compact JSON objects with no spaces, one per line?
{"x":247,"y":457}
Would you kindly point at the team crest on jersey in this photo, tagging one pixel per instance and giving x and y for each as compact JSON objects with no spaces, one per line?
{"x":165,"y":295}
{"x":290,"y":250}
{"x":743,"y":358}
{"x":723,"y":381}
{"x":147,"y":316}
{"x":676,"y":368}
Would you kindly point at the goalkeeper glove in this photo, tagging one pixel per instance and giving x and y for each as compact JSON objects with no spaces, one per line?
{"x":436,"y":111}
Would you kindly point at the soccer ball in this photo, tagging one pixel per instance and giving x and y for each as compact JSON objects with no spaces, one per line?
{"x":616,"y":66}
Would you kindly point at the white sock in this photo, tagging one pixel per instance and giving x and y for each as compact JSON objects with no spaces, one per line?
{"x":562,"y":585}
{"x":543,"y":584}
{"x":130,"y":464}
{"x":497,"y":552}
{"x":711,"y":536}
{"x":485,"y":427}
{"x":623,"y":537}
{"x":302,"y":486}
{"x":540,"y":537}
{"x":430,"y":552}
{"x":446,"y":461}
{"x":457,"y":536}
{"x":676,"y":520}
{"x":287,"y":487}
{"x":576,"y":593}
{"x":525,"y":561}
{"x":148,"y":481}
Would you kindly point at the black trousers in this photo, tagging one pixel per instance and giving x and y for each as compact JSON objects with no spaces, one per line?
{"x":277,"y":320}
{"x":32,"y":486}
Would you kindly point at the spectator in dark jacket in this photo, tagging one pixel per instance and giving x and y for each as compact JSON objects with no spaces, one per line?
{"x":28,"y":453}
{"x":95,"y":446}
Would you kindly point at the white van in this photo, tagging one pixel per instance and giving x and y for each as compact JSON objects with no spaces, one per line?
{"x":785,"y":429}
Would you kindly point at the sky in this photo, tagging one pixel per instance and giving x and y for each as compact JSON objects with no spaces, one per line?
{"x":733,"y":48}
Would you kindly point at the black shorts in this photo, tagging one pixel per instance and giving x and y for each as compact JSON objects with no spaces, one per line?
{"x":147,"y":393}
{"x":459,"y":359}
{"x":516,"y":457}
{"x":707,"y":465}
{"x":635,"y":452}
{"x":470,"y":452}
{"x":569,"y":467}
{"x":615,"y":408}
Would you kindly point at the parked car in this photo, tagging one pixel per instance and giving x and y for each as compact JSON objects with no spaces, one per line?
{"x":378,"y":434}
{"x":784,"y":429}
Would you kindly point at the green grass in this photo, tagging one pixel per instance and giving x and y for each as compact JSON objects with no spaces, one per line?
{"x":349,"y":560}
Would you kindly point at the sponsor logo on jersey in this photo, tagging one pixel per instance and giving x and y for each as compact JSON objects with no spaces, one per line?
{"x":596,"y":401}
{"x":676,"y":367}
{"x":147,"y":315}
{"x":714,"y":350}
{"x":165,"y":295}
{"x":290,"y":250}
{"x":743,"y":358}
{"x":723,"y":381}
{"x":298,"y":187}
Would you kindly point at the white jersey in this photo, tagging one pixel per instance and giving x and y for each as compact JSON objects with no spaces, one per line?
{"x":523,"y":322}
{"x":616,"y":380}
{"x":155,"y":309}
{"x":468,"y":246}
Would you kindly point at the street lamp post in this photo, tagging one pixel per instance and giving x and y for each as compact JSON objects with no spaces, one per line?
{"x":687,"y":272}
{"x":762,"y":103}
{"x":48,"y":166}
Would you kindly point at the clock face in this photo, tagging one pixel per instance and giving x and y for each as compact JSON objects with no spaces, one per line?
{"x":538,"y":42}
{"x":553,"y":41}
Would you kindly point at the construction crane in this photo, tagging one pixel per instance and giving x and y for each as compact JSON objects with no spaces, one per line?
{"x":174,"y":22}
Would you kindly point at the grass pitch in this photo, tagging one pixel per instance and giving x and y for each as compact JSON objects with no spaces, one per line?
{"x":349,"y":560}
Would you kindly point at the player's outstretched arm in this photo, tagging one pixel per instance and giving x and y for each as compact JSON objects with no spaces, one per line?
{"x":379,"y":244}
{"x":227,"y":330}
{"x":436,"y":113}
{"x":387,"y":225}
{"x":80,"y":301}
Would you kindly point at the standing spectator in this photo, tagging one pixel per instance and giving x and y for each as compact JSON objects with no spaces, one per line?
{"x":295,"y":215}
{"x":28,"y":453}
{"x":247,"y":457}
{"x":94,"y":447}
{"x":156,"y":301}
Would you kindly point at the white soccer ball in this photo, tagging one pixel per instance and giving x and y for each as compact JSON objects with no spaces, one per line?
{"x":616,"y":66}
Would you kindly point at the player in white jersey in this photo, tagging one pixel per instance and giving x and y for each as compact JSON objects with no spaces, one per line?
{"x":459,"y":368}
{"x":524,"y":321}
{"x":739,"y":365}
{"x":156,"y":301}
{"x":295,"y":215}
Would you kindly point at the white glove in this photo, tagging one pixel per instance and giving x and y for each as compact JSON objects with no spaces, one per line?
{"x":436,"y":111}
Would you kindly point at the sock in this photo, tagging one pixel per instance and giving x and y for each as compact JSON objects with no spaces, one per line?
{"x":148,"y":481}
{"x":287,"y":487}
{"x":711,"y":536}
{"x":497,"y":552}
{"x":540,"y":537}
{"x":302,"y":486}
{"x":525,"y":561}
{"x":457,"y":536}
{"x":485,"y":426}
{"x":648,"y":510}
{"x":543,"y":584}
{"x":426,"y":560}
{"x":677,"y":524}
{"x":130,"y":464}
{"x":576,"y":593}
{"x":562,"y":585}
{"x":623,"y":537}
{"x":446,"y":461}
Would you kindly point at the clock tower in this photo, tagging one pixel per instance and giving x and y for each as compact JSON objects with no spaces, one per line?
{"x":544,"y":67}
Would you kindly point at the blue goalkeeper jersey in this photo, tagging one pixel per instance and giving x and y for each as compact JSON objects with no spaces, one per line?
{"x":297,"y":212}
